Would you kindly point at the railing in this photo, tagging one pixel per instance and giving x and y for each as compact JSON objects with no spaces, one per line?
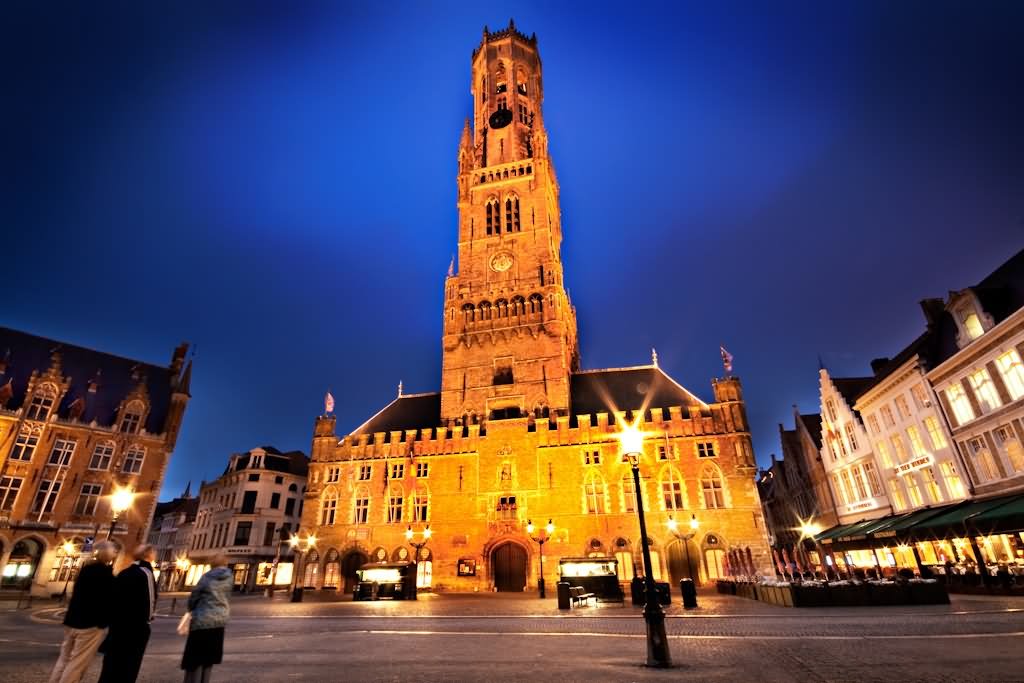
{"x":509,"y":171}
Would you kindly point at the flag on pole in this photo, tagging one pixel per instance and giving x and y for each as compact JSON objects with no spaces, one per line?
{"x":726,"y":360}
{"x":328,"y":403}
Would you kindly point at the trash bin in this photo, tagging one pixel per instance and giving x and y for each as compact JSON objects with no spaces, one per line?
{"x":664,"y":590}
{"x":563,"y":594}
{"x":689,"y":592}
{"x":636,"y":591}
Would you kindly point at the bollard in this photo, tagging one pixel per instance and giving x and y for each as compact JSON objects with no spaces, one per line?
{"x":689,"y":592}
{"x":563,"y":594}
{"x":174,"y":604}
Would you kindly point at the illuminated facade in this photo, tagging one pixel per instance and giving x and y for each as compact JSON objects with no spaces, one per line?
{"x":76,"y":425}
{"x":518,"y":431}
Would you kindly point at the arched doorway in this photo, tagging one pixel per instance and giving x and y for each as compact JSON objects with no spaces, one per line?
{"x":331,"y":569}
{"x":714,"y":557}
{"x":22,"y":564}
{"x":508,"y":563}
{"x":311,"y":567}
{"x":353,"y":560}
{"x":683,"y":561}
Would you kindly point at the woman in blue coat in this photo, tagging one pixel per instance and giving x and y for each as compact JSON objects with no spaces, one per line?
{"x":210,"y":608}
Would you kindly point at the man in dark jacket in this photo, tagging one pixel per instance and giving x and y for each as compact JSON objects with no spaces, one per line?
{"x":133,"y":610}
{"x":87,"y":617}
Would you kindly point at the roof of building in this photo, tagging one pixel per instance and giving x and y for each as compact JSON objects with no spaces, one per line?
{"x":852,"y":387}
{"x":591,"y":391}
{"x":115,"y":377}
{"x":812,"y":423}
{"x":186,"y":506}
{"x":291,"y":462}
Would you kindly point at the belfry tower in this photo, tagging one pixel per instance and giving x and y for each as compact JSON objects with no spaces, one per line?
{"x":510,"y":340}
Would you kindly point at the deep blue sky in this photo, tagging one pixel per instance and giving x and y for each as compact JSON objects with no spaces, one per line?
{"x":277,"y":186}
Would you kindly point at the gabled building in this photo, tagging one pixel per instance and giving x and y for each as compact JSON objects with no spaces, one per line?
{"x":171,"y":534}
{"x":76,"y":425}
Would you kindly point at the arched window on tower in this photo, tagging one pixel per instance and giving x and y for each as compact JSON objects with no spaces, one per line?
{"x":485,"y":310}
{"x":518,"y":305}
{"x":501,"y":308}
{"x":512,"y":223}
{"x":536,"y":303}
{"x":468,"y":311}
{"x":493,"y":217}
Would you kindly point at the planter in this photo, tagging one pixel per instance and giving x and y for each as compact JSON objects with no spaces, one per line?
{"x":928,"y":594}
{"x":806,"y":596}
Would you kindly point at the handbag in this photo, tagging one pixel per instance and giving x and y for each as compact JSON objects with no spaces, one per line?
{"x":184,"y":623}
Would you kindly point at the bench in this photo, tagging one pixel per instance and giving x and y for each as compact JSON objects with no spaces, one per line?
{"x":578,"y":594}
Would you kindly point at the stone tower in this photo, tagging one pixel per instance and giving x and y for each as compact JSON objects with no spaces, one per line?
{"x":510,"y":339}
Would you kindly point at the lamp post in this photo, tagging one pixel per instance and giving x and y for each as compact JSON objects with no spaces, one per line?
{"x":409,"y":535}
{"x":541,"y":540}
{"x":673,"y":526}
{"x":120,"y":500}
{"x":809,"y":529}
{"x":300,"y":545}
{"x":69,"y":549}
{"x":632,"y":442}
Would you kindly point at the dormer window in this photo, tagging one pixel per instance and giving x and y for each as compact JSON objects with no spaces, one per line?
{"x":500,"y":88}
{"x":132,"y":417}
{"x":971,"y":320}
{"x":41,"y":405}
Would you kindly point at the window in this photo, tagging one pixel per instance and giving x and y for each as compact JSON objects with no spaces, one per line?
{"x":506,"y":471}
{"x":887,"y":418}
{"x":41,"y":405}
{"x":88,"y":497}
{"x":25,"y":445}
{"x":62,"y":452}
{"x":935,"y":434}
{"x":851,"y":435}
{"x":672,"y":490}
{"x":913,"y":490}
{"x":242,"y":533}
{"x":954,"y":484}
{"x":9,"y":487}
{"x":985,"y":391}
{"x":333,"y":475}
{"x":506,"y":507}
{"x":329,"y":508}
{"x":361,"y":509}
{"x":512,"y":214}
{"x":899,"y":503}
{"x":593,"y":494}
{"x":591,"y":457}
{"x":662,"y":452}
{"x":961,"y":405}
{"x":858,"y":482}
{"x":493,"y":218}
{"x":133,"y":460}
{"x":898,"y":449}
{"x":278,"y":479}
{"x":422,"y":470}
{"x":1010,"y":444}
{"x":365,"y":472}
{"x":46,"y":496}
{"x":883,"y":453}
{"x":920,"y":395}
{"x":289,"y":507}
{"x":711,"y":487}
{"x":984,"y":462}
{"x":395,"y":503}
{"x":873,"y":483}
{"x":902,"y":408}
{"x":840,"y":490}
{"x":420,"y":505}
{"x":930,"y":485}
{"x":969,"y":322}
{"x":398,"y":470}
{"x":101,"y":456}
{"x":848,"y":492}
{"x":873,"y":424}
{"x":1012,"y":370}
{"x":131,"y":418}
{"x":254,"y":476}
{"x":628,"y":494}
{"x":248,"y":503}
{"x":275,"y":500}
{"x":268,"y":534}
{"x":830,"y":408}
{"x":705,"y":449}
{"x":916,"y":443}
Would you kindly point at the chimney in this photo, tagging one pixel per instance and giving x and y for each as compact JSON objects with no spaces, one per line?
{"x":878,"y":364}
{"x":933,"y":310}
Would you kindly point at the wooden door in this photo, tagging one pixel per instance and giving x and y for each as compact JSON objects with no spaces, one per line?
{"x":349,"y":564}
{"x":509,"y":563}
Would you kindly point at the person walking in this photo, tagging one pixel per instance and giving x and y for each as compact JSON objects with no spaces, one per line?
{"x":88,"y":615}
{"x":210,"y":609}
{"x":134,"y":606}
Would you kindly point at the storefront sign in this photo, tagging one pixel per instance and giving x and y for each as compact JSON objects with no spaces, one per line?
{"x":240,"y":551}
{"x":862,"y":505}
{"x":915,"y":464}
{"x":467,"y":567}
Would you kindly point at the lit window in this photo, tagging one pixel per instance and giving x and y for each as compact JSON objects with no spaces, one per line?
{"x":961,"y":405}
{"x":938,"y":439}
{"x":873,"y":424}
{"x":902,"y":407}
{"x":1012,"y":370}
{"x":954,"y":484}
{"x":848,"y":492}
{"x":887,"y":418}
{"x":420,"y":506}
{"x":839,"y":489}
{"x":916,"y":443}
{"x":899,"y":503}
{"x":913,"y":490}
{"x":101,"y":456}
{"x":883,"y":453}
{"x":985,"y":391}
{"x":830,"y":407}
{"x":873,"y":483}
{"x":133,"y":460}
{"x":628,"y":494}
{"x":25,"y":445}
{"x":858,"y":482}
{"x":898,"y":449}
{"x":1011,"y":446}
{"x":672,"y":490}
{"x":851,"y":436}
{"x":984,"y":462}
{"x":62,"y":452}
{"x":970,"y":323}
{"x":920,"y":395}
{"x":333,"y":475}
{"x":593,"y":494}
{"x":507,"y":508}
{"x":711,"y":487}
{"x":930,"y":485}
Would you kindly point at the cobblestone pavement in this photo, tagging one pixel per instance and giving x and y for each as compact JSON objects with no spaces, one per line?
{"x":520,"y":638}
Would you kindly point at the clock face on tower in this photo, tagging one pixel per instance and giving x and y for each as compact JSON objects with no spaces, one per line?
{"x":501,"y":262}
{"x":501,"y":118}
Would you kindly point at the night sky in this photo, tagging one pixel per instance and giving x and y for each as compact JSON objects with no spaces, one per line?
{"x":277,"y":186}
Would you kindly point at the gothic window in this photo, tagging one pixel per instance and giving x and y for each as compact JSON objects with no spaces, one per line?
{"x":536,"y":303}
{"x":101,"y":456}
{"x":485,"y":310}
{"x":711,"y":487}
{"x":672,"y":490}
{"x":332,"y":569}
{"x":493,"y":218}
{"x":502,"y":103}
{"x":501,"y":308}
{"x":518,"y":305}
{"x":42,"y":403}
{"x":421,"y":504}
{"x":132,"y":417}
{"x":705,"y":449}
{"x":506,"y":508}
{"x":512,"y":222}
{"x":396,"y":501}
{"x":628,"y":493}
{"x":468,"y":311}
{"x":593,"y":494}
{"x":361,"y":506}
{"x":328,"y":507}
{"x":62,"y":451}
{"x":25,"y":445}
{"x":133,"y":460}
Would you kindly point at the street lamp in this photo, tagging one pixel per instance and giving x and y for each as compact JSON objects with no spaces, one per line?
{"x":631,"y":440}
{"x":809,"y":529}
{"x":120,"y":500}
{"x":673,"y":526}
{"x":300,"y":546}
{"x":409,"y":534}
{"x":541,"y":540}
{"x":69,"y":549}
